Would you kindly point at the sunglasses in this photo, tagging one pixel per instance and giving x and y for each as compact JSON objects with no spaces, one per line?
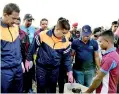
{"x":115,"y":26}
{"x":29,"y":20}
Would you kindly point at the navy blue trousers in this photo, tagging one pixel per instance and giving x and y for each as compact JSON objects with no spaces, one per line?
{"x":46,"y":79}
{"x":62,"y":78}
{"x":12,"y":80}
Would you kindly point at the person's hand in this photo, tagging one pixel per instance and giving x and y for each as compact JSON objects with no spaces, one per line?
{"x":23,"y":68}
{"x":70,"y":77}
{"x":27,"y":65}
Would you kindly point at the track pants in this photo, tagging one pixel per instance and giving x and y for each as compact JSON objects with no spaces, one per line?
{"x":46,"y":79}
{"x":12,"y":80}
{"x":62,"y":79}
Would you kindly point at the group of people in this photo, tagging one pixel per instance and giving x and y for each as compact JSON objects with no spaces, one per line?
{"x":57,"y":55}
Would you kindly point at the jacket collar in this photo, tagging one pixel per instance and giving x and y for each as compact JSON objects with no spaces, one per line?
{"x":50,"y":33}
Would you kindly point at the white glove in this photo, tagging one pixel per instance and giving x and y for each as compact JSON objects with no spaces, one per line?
{"x":31,"y":64}
{"x":23,"y":68}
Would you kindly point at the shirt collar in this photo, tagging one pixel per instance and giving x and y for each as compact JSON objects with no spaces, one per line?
{"x":110,"y":50}
{"x":41,"y":29}
{"x":80,"y":38}
{"x":26,"y":27}
{"x":3,"y":24}
{"x":50,"y":33}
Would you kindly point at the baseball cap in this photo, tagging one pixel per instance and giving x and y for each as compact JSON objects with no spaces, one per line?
{"x":75,"y":24}
{"x":86,"y":30}
{"x":28,"y":16}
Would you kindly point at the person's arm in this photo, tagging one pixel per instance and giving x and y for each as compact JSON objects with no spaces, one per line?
{"x":97,"y":59}
{"x":22,"y":50}
{"x":107,"y":66}
{"x":24,"y":44}
{"x":27,"y":44}
{"x":73,"y":48}
{"x":68,"y":63}
{"x":67,"y":58}
{"x":72,"y":54}
{"x":97,"y":81}
{"x":32,"y":49}
{"x":96,"y":55}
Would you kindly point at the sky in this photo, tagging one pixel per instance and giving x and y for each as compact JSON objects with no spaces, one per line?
{"x":92,"y":12}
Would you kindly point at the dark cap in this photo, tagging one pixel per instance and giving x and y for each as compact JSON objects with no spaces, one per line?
{"x":28,"y":17}
{"x":86,"y":30}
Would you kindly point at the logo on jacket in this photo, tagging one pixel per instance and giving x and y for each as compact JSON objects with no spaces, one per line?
{"x":67,"y":50}
{"x":90,"y":47}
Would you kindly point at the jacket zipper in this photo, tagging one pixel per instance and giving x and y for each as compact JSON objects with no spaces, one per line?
{"x":10,"y":34}
{"x":54,"y":45}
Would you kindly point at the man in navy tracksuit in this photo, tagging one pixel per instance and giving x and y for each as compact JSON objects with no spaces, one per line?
{"x":53,"y":46}
{"x":11,"y":59}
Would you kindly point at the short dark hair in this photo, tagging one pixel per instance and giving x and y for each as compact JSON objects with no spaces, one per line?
{"x":108,"y":34}
{"x":10,"y":8}
{"x":114,"y":22}
{"x":61,"y":18}
{"x":44,"y":19}
{"x":64,"y":23}
{"x":97,"y":30}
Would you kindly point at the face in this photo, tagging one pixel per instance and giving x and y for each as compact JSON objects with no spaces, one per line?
{"x":28,"y":22}
{"x":95,"y":37}
{"x":18,"y":22}
{"x":114,"y":27}
{"x":103,"y":43}
{"x":44,"y":25}
{"x":74,"y":28}
{"x":86,"y":38}
{"x":64,"y":31}
{"x":78,"y":34}
{"x":11,"y":19}
{"x":61,"y":31}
